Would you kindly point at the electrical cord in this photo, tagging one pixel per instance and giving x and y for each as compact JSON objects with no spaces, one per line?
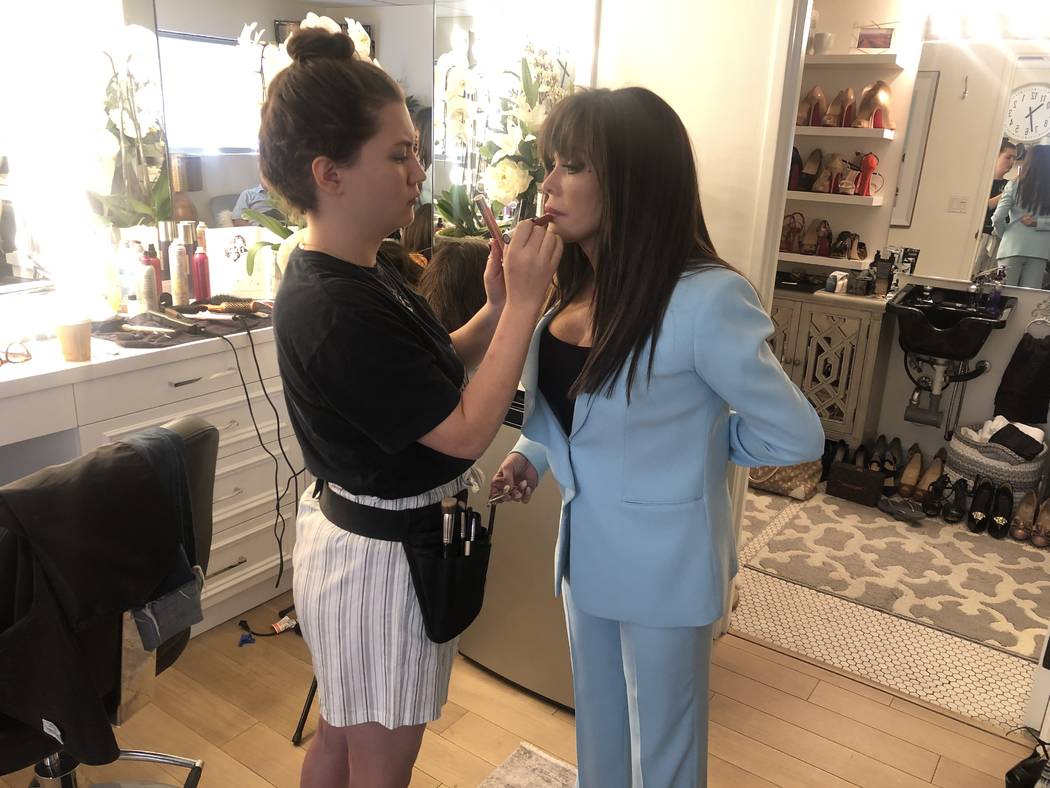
{"x":280,"y":524}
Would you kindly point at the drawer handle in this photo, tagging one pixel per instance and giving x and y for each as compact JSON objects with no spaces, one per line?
{"x":240,"y":560}
{"x":180,"y":383}
{"x":233,"y":423}
{"x":236,"y":491}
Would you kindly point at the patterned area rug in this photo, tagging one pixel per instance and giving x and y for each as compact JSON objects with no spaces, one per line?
{"x":530,"y":767}
{"x":970,"y":585}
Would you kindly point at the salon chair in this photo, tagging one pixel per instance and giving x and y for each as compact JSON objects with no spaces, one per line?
{"x":104,"y":642}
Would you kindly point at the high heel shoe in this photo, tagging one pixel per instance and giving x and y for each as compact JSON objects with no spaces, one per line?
{"x":935,"y":497}
{"x":796,"y":170}
{"x":954,"y":509}
{"x":1022,"y":523}
{"x":812,"y":108}
{"x":912,"y":472}
{"x":1041,"y":532}
{"x":817,"y":239}
{"x":873,"y":111}
{"x":868,"y":163}
{"x":830,"y":174}
{"x":848,"y":181}
{"x":981,"y":507}
{"x":810,"y":170}
{"x":840,"y":249}
{"x":932,"y":473}
{"x":860,"y":456}
{"x":1002,"y":512}
{"x":842,"y":111}
{"x":858,"y":250}
{"x":891,"y":461}
{"x":794,"y":224}
{"x":878,"y":451}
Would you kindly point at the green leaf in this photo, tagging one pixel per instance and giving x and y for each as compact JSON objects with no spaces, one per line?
{"x":249,"y":263}
{"x":444,"y":209}
{"x":489,"y":149}
{"x":271,"y":224}
{"x":528,"y":86}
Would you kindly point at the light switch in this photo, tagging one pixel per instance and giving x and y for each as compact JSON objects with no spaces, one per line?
{"x":958,"y":203}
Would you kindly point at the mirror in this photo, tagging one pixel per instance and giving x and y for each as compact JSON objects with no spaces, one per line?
{"x":979,"y":110}
{"x":114,"y":179}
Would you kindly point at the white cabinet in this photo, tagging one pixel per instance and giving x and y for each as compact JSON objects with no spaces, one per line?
{"x":835,"y":351}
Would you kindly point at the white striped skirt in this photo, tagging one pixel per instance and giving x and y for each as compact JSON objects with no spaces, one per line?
{"x":361,"y":619}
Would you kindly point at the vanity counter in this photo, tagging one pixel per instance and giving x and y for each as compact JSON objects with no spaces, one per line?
{"x":870,"y":303}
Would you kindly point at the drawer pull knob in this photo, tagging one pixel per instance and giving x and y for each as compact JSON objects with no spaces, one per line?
{"x":240,"y":560}
{"x":233,"y":423}
{"x":180,"y":383}
{"x":236,"y":491}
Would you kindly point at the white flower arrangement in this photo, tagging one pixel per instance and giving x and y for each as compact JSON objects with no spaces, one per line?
{"x":505,"y":180}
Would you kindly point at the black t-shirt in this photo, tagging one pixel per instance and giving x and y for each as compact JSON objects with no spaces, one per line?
{"x":367,"y":371}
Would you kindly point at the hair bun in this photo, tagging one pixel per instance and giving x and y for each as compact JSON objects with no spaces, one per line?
{"x":315,"y":43}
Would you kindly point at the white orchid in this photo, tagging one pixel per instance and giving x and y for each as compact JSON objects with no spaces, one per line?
{"x":362,"y":41}
{"x":323,"y":22}
{"x":274,"y":60}
{"x":508,"y":143}
{"x":505,"y":180}
{"x":250,"y":36}
{"x":458,"y":114}
{"x":533,"y":117}
{"x":459,"y":80}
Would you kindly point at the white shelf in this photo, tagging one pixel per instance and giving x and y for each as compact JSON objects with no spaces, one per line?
{"x":837,"y":199}
{"x":831,"y":262}
{"x":882,"y":60}
{"x":849,"y":132}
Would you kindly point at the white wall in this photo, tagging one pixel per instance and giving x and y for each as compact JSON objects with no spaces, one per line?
{"x":721,"y":66}
{"x":404,"y":42}
{"x":963,"y":130}
{"x":227,"y":17}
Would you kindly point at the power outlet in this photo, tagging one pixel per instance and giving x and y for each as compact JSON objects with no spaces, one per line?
{"x":958,"y":204}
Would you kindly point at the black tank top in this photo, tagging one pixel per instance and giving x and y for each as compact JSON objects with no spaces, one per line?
{"x":559,"y":365}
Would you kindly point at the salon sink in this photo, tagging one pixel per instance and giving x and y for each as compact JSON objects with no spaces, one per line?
{"x":943,"y":323}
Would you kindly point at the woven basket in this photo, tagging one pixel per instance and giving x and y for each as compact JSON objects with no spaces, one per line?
{"x":969,"y":460}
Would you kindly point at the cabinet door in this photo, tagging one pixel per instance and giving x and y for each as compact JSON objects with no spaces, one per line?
{"x":784,"y":341}
{"x":831,"y":347}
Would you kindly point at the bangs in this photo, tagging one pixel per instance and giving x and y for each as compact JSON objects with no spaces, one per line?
{"x":568,"y":131}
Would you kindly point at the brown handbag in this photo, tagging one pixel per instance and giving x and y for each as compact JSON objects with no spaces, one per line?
{"x":795,"y":481}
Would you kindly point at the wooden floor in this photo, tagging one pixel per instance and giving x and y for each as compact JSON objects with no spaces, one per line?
{"x":776,"y":720}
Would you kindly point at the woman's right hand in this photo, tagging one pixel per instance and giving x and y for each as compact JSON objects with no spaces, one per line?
{"x":530,"y":261}
{"x":516,"y":479}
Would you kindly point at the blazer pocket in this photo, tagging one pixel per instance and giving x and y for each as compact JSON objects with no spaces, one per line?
{"x":657,"y":467}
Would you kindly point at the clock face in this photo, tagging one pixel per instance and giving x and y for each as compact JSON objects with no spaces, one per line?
{"x":1028,"y":113}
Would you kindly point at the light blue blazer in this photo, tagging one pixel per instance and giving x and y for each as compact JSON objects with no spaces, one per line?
{"x":1018,"y":239}
{"x":645,"y":503}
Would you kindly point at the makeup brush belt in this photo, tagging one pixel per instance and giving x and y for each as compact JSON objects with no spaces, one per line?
{"x":450,"y":588}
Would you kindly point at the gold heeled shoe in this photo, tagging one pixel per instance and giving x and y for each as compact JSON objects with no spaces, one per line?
{"x":873,"y":112}
{"x":842,"y":111}
{"x":830,"y":174}
{"x":810,"y":170}
{"x":1023,"y":524}
{"x":812,"y":108}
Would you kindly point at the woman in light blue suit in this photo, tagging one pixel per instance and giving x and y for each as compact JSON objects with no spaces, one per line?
{"x":649,"y":375}
{"x":1022,"y":221}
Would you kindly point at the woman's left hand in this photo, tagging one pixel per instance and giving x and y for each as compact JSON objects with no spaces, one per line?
{"x":1028,"y":220}
{"x":495,"y":284}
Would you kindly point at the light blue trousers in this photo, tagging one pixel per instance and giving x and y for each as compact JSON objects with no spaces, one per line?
{"x":641,"y":701}
{"x":1024,"y":271}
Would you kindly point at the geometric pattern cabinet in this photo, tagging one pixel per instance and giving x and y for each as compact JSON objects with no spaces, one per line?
{"x":833,"y":348}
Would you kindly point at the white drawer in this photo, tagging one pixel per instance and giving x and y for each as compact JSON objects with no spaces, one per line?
{"x":129,"y":392}
{"x":244,"y":484}
{"x":243,"y":547}
{"x":37,"y":413}
{"x":227,"y":410}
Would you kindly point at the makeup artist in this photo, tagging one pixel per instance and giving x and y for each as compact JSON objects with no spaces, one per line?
{"x":647,"y":377}
{"x":375,"y":391}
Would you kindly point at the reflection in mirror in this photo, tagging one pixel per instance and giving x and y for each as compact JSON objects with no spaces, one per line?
{"x":65,"y":206}
{"x":494,"y":84}
{"x":974,"y":133}
{"x":217,"y":60}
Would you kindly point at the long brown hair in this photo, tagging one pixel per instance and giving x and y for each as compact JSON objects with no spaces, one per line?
{"x":1033,"y":185}
{"x":454,"y":282}
{"x":326,"y":103}
{"x":652,"y":229}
